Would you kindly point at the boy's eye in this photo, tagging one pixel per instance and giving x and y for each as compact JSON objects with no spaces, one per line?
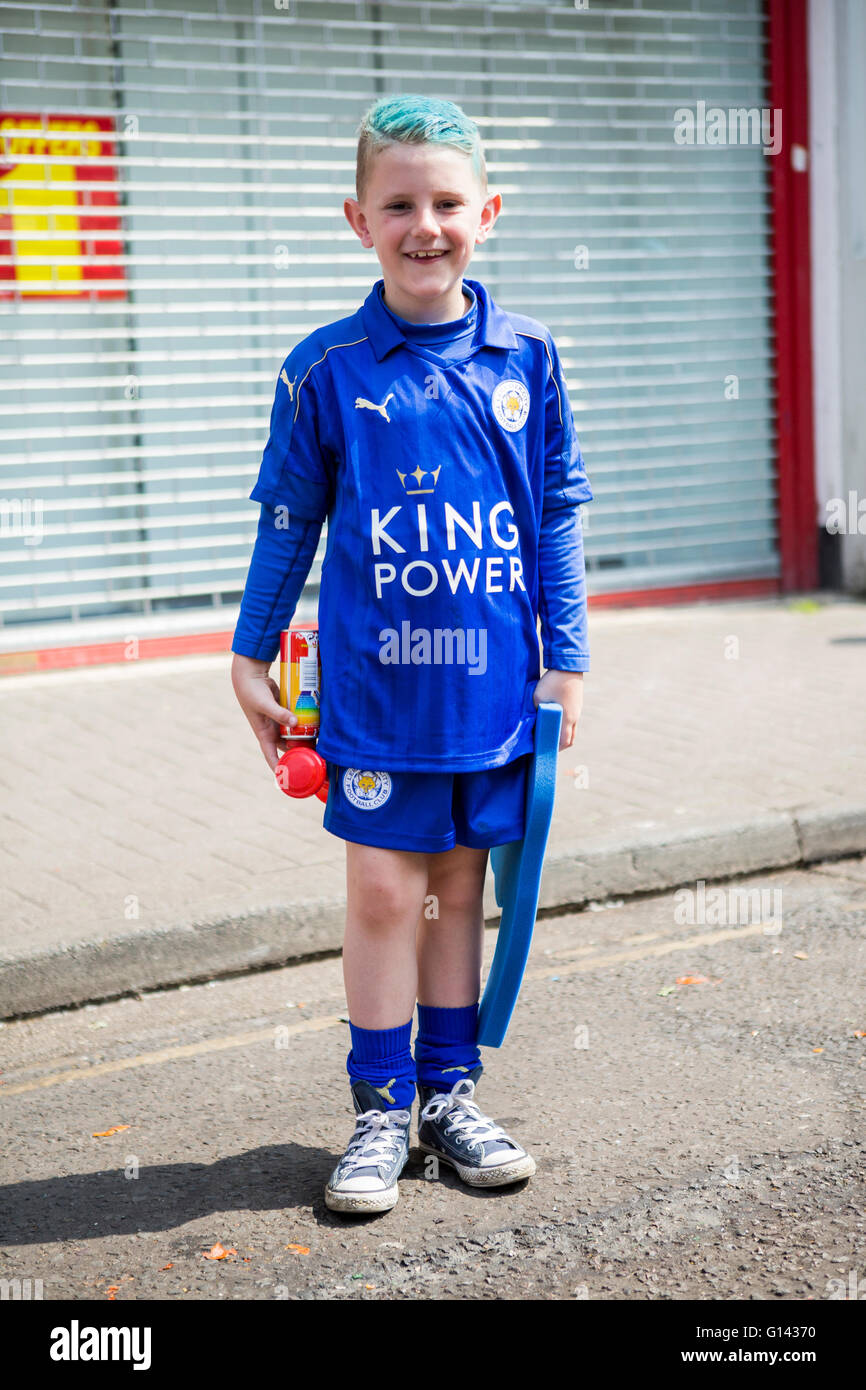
{"x":446,"y":203}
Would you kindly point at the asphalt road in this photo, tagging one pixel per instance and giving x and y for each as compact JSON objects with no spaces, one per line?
{"x":693,"y":1140}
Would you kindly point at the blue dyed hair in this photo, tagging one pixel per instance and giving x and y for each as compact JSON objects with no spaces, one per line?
{"x":415,"y":120}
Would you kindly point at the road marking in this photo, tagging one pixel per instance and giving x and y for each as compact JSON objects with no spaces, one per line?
{"x":314,"y":1025}
{"x":587,"y":950}
{"x":169,"y":1054}
{"x":663,"y":948}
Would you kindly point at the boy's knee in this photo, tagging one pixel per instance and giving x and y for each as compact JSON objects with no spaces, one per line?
{"x":454,"y":901}
{"x":381,"y":907}
{"x":457,"y":883}
{"x":384,"y":887}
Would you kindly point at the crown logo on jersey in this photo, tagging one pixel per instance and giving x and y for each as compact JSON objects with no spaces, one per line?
{"x":418,"y":476}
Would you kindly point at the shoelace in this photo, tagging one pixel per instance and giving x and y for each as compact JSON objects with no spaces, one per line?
{"x":464,"y":1114}
{"x":375,"y":1139}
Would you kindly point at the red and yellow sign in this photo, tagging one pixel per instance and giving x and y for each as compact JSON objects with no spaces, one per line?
{"x":56,"y":211}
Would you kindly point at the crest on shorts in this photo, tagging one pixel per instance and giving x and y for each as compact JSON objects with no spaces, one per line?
{"x":366,"y":790}
{"x":510,"y":402}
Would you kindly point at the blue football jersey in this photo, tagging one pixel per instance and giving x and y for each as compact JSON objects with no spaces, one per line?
{"x":434,"y":476}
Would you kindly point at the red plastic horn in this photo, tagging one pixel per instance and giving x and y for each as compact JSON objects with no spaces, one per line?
{"x":302,"y":772}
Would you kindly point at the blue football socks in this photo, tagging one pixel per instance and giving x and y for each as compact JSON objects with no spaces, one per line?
{"x":382,"y":1056}
{"x":445,"y":1046}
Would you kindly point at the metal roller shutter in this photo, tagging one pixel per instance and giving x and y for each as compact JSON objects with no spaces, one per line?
{"x":136,"y":423}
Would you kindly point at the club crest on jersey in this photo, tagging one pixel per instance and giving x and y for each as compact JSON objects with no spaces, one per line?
{"x":366,"y":790}
{"x":511,"y":405}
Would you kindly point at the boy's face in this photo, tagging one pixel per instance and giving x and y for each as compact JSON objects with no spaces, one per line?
{"x":423,"y":197}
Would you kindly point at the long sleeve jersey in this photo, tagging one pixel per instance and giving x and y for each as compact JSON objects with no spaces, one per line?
{"x":446,"y":461}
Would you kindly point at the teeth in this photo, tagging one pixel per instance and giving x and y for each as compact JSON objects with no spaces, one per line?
{"x":425,"y":255}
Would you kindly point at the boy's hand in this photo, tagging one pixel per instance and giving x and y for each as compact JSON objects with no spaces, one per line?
{"x":563,"y":688}
{"x":259,"y":698}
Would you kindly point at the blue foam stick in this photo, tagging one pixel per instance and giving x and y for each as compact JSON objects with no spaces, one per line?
{"x":517,"y":881}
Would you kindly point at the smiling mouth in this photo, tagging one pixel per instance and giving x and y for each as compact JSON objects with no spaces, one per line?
{"x":426,"y":255}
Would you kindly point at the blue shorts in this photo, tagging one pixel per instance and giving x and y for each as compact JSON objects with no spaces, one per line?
{"x":428,"y":811}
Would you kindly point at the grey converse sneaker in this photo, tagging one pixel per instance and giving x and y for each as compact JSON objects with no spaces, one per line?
{"x":365,"y":1179}
{"x":451,"y":1126}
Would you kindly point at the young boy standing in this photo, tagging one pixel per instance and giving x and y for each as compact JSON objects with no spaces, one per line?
{"x":433,"y":430}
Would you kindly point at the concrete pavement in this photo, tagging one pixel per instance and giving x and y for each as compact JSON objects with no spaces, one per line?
{"x":144,"y":842}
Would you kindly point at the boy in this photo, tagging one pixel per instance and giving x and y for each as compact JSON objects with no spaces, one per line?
{"x":434,"y":431}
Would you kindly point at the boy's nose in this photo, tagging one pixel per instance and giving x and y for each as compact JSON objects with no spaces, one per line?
{"x":427,"y":223}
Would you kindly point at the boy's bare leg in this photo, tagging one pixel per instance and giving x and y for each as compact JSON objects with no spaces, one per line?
{"x":385,"y":890}
{"x":450,"y":947}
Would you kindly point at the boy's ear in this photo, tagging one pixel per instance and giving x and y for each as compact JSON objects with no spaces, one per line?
{"x":357,"y":221}
{"x":489,"y":214}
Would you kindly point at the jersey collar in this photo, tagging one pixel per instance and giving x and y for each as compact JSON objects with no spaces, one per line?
{"x":493,"y":330}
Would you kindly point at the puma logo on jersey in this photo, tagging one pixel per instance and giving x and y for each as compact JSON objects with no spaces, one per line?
{"x":290,"y":384}
{"x":384,"y":1091}
{"x":362,"y":404}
